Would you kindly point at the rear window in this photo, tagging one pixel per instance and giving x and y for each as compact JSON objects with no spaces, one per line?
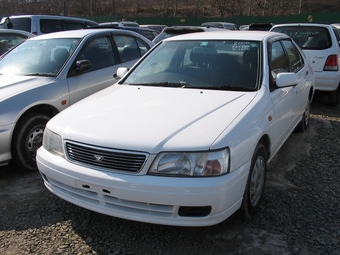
{"x":16,"y":23}
{"x":148,"y":34}
{"x":77,"y":24}
{"x":230,"y":27}
{"x":217,"y":25}
{"x":307,"y":37}
{"x":260,"y":27}
{"x":51,"y":25}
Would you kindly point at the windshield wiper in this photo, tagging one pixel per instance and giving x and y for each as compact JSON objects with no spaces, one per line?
{"x":164,"y":84}
{"x":233,"y":88}
{"x":40,"y":74}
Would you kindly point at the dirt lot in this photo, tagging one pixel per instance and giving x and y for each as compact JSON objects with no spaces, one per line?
{"x":25,"y":190}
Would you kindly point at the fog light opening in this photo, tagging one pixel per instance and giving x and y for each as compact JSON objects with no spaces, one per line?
{"x":194,"y":211}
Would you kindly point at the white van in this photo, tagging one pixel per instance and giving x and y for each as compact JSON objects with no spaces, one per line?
{"x":320,"y":43}
{"x":44,"y":24}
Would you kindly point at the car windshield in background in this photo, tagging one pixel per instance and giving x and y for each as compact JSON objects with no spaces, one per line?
{"x":307,"y":37}
{"x":180,"y":30}
{"x":10,"y":39}
{"x":223,"y":65}
{"x":38,"y":57}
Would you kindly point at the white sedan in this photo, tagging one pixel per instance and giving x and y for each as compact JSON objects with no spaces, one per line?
{"x":185,"y":136}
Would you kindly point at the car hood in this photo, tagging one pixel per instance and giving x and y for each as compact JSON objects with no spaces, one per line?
{"x":151,"y":119}
{"x":12,"y":85}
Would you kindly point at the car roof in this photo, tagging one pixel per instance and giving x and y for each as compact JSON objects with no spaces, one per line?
{"x":180,"y":30}
{"x":137,"y":29}
{"x":227,"y":34}
{"x":48,"y":16}
{"x":303,"y":24}
{"x":128,"y":23}
{"x":217,"y":22}
{"x":188,"y":28}
{"x":80,"y":33}
{"x":153,"y":25}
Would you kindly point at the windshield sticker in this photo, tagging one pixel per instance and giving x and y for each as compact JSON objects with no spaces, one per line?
{"x":204,"y":44}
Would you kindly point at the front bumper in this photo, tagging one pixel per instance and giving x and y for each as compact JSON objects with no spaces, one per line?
{"x":144,"y":198}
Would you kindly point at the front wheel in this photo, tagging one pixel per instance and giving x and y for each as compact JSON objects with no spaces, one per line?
{"x":27,"y":138}
{"x":255,"y":184}
{"x":304,"y":123}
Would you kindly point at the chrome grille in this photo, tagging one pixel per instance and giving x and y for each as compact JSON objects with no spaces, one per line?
{"x":109,"y":159}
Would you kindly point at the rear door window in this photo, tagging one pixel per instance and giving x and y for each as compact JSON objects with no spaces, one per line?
{"x":130,"y":47}
{"x":294,"y":58}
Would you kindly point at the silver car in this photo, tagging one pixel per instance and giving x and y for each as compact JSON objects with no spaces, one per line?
{"x":46,"y":74}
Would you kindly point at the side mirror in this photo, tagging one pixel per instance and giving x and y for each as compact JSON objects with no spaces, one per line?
{"x":121,"y":71}
{"x":82,"y":66}
{"x":286,"y":79}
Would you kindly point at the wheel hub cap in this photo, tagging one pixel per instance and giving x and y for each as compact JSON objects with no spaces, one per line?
{"x":257,"y":181}
{"x":34,"y":141}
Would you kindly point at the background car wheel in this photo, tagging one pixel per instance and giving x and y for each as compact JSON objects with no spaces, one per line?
{"x":27,"y":139}
{"x":334,"y":97}
{"x":303,"y":124}
{"x":255,"y":184}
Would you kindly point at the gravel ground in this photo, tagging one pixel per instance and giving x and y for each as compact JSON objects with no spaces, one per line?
{"x":300,"y":213}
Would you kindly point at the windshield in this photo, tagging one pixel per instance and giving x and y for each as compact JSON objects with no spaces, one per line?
{"x":38,"y":57}
{"x":9,"y":40}
{"x":224,"y":65}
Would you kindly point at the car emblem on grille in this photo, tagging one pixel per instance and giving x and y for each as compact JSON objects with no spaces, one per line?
{"x":99,"y":158}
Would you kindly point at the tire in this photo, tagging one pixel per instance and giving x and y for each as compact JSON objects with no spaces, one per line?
{"x":254,"y":190}
{"x":27,"y":138}
{"x":333,"y":98}
{"x":304,"y":123}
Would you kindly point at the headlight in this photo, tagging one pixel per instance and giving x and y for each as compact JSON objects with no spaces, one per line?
{"x":53,"y":142}
{"x":192,"y":163}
